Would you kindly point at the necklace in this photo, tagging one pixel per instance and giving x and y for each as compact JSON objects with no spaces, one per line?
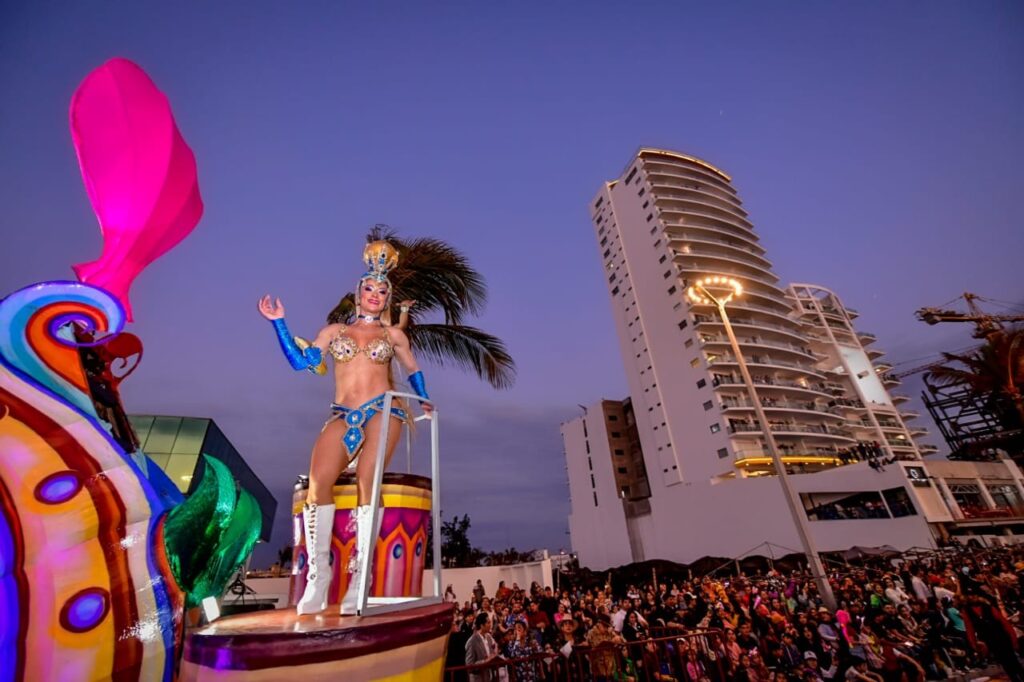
{"x":368,"y":318}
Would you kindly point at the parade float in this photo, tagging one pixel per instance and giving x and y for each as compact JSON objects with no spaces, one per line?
{"x":101,"y":556}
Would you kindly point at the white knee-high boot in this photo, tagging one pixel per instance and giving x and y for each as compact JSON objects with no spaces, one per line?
{"x":364,"y":546}
{"x":319,"y":523}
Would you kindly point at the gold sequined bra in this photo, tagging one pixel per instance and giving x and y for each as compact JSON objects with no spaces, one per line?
{"x":344,"y":348}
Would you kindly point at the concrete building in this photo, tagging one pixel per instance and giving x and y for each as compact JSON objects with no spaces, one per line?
{"x":699,"y":481}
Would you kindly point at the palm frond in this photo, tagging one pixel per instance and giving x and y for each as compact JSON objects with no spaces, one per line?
{"x":437,"y":275}
{"x":344,"y":311}
{"x":467,"y":347}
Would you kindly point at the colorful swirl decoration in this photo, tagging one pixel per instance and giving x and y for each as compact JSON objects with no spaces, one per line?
{"x":100,"y":555}
{"x":86,"y":590}
{"x":96,"y":567}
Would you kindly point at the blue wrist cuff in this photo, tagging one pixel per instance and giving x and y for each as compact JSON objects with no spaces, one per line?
{"x":419,"y":386}
{"x":310,"y":358}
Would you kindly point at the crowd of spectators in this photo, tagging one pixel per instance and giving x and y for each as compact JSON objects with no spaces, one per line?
{"x":905,"y":619}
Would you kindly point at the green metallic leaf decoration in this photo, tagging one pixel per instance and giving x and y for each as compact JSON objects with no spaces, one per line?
{"x":235,"y":546}
{"x":193,"y":530}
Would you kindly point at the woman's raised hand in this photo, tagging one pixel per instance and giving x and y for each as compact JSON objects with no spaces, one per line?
{"x":270,"y":308}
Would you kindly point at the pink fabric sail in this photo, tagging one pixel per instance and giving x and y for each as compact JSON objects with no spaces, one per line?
{"x":139,"y":173}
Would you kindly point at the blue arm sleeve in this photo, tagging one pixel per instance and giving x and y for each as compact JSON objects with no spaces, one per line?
{"x":299,"y":359}
{"x":419,"y":386}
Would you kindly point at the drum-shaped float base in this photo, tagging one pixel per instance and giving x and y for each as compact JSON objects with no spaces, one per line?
{"x":397,"y":568}
{"x":281,"y":645}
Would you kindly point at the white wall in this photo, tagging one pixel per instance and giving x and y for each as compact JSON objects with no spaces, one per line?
{"x":462,"y":580}
{"x":734,"y":517}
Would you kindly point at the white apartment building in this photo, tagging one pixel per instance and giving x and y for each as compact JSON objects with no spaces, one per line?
{"x":705,"y":484}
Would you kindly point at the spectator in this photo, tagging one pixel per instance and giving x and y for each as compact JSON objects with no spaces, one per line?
{"x":603,"y":659}
{"x":481,"y":648}
{"x":522,"y":645}
{"x":858,"y":672}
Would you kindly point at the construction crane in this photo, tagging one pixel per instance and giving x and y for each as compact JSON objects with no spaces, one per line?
{"x":986,"y":324}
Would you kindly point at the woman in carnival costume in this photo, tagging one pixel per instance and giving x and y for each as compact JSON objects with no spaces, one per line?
{"x":362,"y":354}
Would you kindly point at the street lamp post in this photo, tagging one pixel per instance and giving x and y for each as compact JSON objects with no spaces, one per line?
{"x":698,"y":293}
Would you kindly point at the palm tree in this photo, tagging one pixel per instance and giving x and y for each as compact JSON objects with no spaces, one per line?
{"x":994,"y":371}
{"x":440,"y":279}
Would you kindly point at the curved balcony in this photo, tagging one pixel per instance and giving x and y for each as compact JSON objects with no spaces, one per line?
{"x":799,"y":351}
{"x":686,"y":172}
{"x":738,"y":307}
{"x":758,"y":461}
{"x":770,"y":363}
{"x":770,"y":405}
{"x":750,"y":282}
{"x":687,"y":218}
{"x":664,"y":188}
{"x":771,"y":384}
{"x":678,"y":242}
{"x":759,"y":272}
{"x":848,"y":404}
{"x":801,"y":430}
{"x":672,"y":229}
{"x":661,"y":198}
{"x":898,"y":398}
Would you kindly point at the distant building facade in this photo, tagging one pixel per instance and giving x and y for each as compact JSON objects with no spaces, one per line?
{"x":175,"y":445}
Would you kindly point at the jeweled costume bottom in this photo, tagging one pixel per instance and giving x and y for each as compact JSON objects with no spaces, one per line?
{"x":357,"y":418}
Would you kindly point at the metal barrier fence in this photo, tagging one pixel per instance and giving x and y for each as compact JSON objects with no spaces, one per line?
{"x":683,"y":657}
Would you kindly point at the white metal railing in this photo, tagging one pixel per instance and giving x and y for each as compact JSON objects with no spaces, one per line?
{"x":757,"y":341}
{"x":366,"y":605}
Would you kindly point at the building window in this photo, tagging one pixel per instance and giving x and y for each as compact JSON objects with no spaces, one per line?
{"x":592,"y":484}
{"x":702,"y":383}
{"x":595,"y":498}
{"x":682,"y":325}
{"x":613,"y":418}
{"x":649,"y":216}
{"x":646,"y":203}
{"x":654,"y":229}
{"x":612,"y":278}
{"x":672,"y":290}
{"x":607,"y":252}
{"x":663,"y":259}
{"x":695,"y":363}
{"x":708,"y":405}
{"x":657,"y":244}
{"x":723,"y":453}
{"x":621,"y":470}
{"x":687,"y":343}
{"x":615,"y":291}
{"x":620,"y":452}
{"x":631,"y":175}
{"x":616,"y":434}
{"x":678,"y":305}
{"x":597,"y":204}
{"x":668,"y":273}
{"x":715,"y":428}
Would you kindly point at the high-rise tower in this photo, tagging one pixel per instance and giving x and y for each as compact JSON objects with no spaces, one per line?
{"x":669,"y":220}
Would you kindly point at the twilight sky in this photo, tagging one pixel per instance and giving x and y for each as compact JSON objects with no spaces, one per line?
{"x":877,"y":147}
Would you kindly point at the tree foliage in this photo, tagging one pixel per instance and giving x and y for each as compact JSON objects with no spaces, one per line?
{"x":994,"y":371}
